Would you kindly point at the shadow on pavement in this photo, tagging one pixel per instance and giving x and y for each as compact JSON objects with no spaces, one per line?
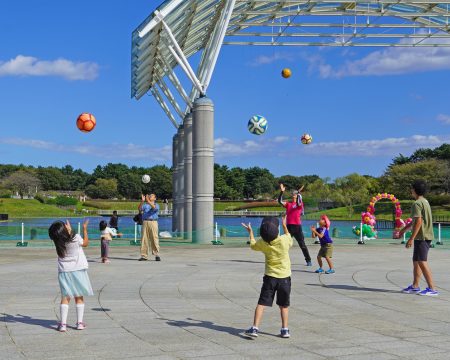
{"x":123,"y":258}
{"x":49,"y":324}
{"x":352,"y":287}
{"x":206,"y":325}
{"x":243,"y":261}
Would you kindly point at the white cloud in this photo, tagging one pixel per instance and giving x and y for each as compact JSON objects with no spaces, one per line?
{"x":375,"y":147}
{"x":31,"y":66}
{"x":444,"y":118}
{"x":226,"y":148}
{"x":389,"y":61}
{"x":280,"y":139}
{"x":269,"y":59}
{"x":108,"y":151}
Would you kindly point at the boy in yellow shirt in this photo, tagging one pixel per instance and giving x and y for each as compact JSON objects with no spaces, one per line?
{"x":277,"y":275}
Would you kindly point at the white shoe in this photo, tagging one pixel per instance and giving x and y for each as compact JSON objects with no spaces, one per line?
{"x":62,"y":327}
{"x":81,"y":326}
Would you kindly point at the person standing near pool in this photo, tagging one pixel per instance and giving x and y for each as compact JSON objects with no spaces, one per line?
{"x":114,"y":222}
{"x":294,"y":211}
{"x":150,"y":212}
{"x":421,"y":236}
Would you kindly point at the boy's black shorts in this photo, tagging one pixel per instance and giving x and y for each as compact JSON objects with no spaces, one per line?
{"x":273,"y":285}
{"x":421,"y":248}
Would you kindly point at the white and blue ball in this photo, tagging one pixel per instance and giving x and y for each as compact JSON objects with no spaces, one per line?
{"x":257,"y":125}
{"x":146,"y":179}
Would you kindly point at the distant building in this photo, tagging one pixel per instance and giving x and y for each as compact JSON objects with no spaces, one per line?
{"x":327,"y":204}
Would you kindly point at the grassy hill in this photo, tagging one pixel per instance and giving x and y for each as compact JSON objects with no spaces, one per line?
{"x":17,"y":208}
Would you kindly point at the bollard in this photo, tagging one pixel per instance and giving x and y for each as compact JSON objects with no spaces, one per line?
{"x":79,"y":228}
{"x":216,"y":241}
{"x":317,"y":241}
{"x":361,"y":241}
{"x":335,"y":232}
{"x":22,"y":243}
{"x":439,"y":242}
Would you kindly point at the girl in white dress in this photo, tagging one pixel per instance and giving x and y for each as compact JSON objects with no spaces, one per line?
{"x":72,"y":269}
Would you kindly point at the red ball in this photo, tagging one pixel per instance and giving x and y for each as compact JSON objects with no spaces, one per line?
{"x":86,"y":122}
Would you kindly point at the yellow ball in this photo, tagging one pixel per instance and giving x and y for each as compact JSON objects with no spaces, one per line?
{"x":286,"y":73}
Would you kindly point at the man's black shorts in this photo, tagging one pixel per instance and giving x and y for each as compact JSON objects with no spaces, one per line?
{"x":421,"y":248}
{"x":273,"y":285}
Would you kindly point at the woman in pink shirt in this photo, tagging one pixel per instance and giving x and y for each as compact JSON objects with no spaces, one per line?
{"x":294,"y":210}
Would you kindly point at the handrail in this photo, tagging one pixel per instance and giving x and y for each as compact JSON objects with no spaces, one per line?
{"x":216,"y":213}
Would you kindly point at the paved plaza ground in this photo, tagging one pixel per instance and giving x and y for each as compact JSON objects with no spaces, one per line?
{"x":197,"y":302}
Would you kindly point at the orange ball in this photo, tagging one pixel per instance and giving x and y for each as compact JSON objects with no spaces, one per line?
{"x":86,"y":122}
{"x":286,"y":73}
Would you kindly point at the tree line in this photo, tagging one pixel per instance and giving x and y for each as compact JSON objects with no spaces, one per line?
{"x":122,"y":181}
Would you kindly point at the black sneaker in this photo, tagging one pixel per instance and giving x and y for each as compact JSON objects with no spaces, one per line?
{"x":252,"y":332}
{"x":157,"y":258}
{"x":142,"y":259}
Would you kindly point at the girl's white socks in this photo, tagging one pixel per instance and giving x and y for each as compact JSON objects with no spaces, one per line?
{"x":64,"y":309}
{"x":80,"y":313}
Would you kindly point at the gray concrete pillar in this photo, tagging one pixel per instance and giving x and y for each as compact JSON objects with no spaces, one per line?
{"x":188,"y":176}
{"x":180,"y":176}
{"x":203,"y":170}
{"x":174,"y":183}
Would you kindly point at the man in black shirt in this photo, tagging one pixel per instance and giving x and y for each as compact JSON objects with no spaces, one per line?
{"x":114,"y":222}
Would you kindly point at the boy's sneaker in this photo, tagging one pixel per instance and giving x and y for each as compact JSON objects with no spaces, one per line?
{"x":319,"y":271}
{"x":62,"y":327}
{"x":81,"y":326}
{"x":253,"y":332}
{"x":157,"y":258}
{"x":428,"y":292}
{"x":284,"y":333}
{"x":308,"y":263}
{"x":411,"y":290}
{"x":330,"y":271}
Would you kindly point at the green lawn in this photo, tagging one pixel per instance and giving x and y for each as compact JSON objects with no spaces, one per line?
{"x":17,"y":208}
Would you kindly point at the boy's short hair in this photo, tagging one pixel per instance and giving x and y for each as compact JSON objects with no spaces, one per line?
{"x":420,"y":187}
{"x":102,"y":226}
{"x":269,"y":228}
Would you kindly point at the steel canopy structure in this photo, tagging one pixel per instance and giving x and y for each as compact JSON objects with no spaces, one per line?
{"x":197,"y":25}
{"x":179,"y":29}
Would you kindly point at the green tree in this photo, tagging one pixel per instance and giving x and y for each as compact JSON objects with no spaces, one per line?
{"x":235,"y":179}
{"x":320,"y":189}
{"x":351,"y":190}
{"x":398,"y":178}
{"x":52,"y":178}
{"x":258,"y":182}
{"x":103,"y":189}
{"x":23,"y":182}
{"x":161,"y":181}
{"x":129,"y":186}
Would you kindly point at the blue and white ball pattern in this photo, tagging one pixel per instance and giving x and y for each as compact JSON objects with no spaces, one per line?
{"x":257,"y":125}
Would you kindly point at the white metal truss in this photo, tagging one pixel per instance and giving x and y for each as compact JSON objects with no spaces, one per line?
{"x":179,"y":29}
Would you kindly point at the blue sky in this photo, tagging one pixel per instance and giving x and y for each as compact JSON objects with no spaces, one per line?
{"x":362,"y":106}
